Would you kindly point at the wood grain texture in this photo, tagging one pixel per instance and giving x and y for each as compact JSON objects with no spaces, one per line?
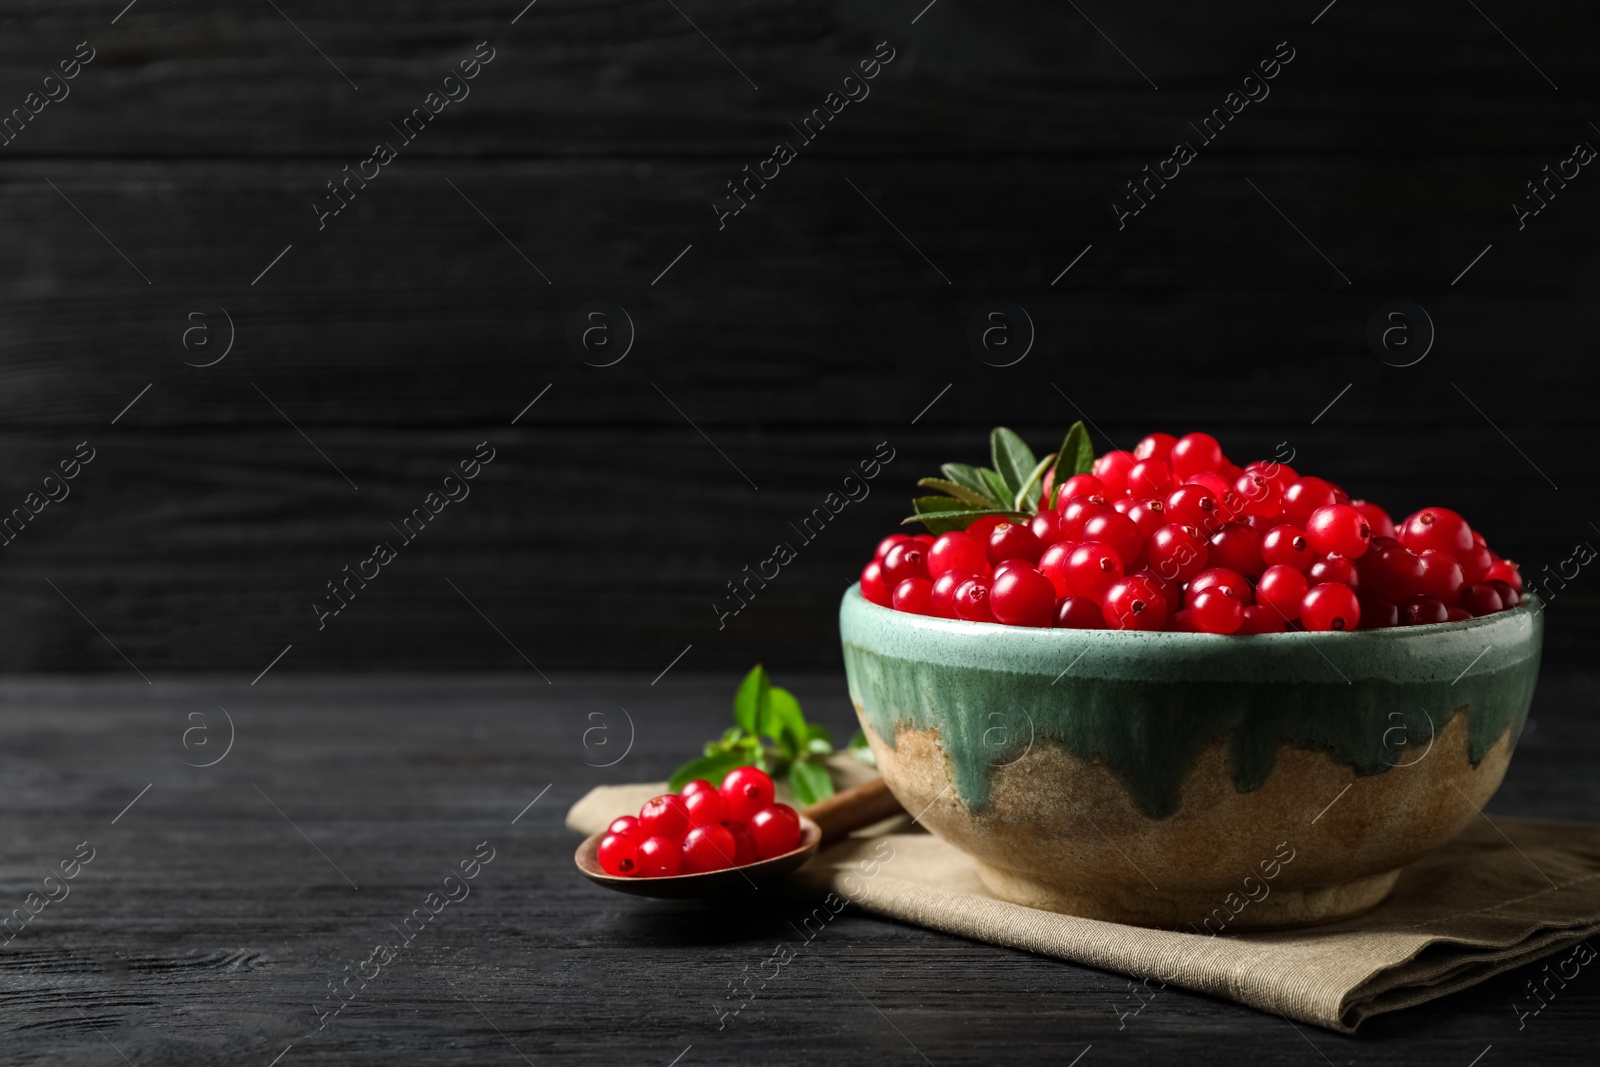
{"x":796,"y":338}
{"x":206,"y":928}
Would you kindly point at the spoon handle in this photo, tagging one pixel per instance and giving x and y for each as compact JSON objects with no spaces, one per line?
{"x":852,"y":809}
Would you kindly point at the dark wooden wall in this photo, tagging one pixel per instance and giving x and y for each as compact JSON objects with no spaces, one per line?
{"x":797,"y":338}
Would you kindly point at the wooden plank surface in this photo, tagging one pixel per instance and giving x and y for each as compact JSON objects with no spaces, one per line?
{"x":215,"y":911}
{"x":815,"y":325}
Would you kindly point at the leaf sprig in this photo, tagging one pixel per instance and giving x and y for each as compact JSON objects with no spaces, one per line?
{"x":771,"y":732}
{"x":1013,"y":487}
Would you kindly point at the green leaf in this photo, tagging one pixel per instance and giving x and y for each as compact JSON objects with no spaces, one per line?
{"x":1012,"y":458}
{"x":963,"y":475}
{"x":815,"y":731}
{"x":785,"y":722}
{"x":1076,"y":456}
{"x":731,"y":734}
{"x":997,"y":485}
{"x":861,"y":750}
{"x":942,"y":513}
{"x":960,"y":492}
{"x":810,"y":782}
{"x":1028,"y":496}
{"x":712,"y":768}
{"x":750,"y":702}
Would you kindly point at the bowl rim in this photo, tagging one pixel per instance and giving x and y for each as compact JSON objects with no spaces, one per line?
{"x":1525,"y":608}
{"x":1434,"y":652}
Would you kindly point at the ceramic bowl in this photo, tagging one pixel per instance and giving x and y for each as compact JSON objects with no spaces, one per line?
{"x":1192,"y":781}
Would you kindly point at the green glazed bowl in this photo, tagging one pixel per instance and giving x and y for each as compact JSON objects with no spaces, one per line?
{"x":1193,"y":781}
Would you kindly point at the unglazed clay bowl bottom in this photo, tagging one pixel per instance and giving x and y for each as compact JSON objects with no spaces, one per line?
{"x":1192,"y":781}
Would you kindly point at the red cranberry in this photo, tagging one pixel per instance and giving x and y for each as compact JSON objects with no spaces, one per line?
{"x":1509,"y":597}
{"x":943,"y":601}
{"x":628,"y":826}
{"x":664,"y":816}
{"x":1149,"y":516}
{"x":1330,"y":606}
{"x":747,"y":790}
{"x":1377,"y":519}
{"x":1124,"y":504}
{"x":1475,"y":564}
{"x":1080,"y":485}
{"x":1091,"y":568}
{"x":887,"y":543}
{"x":1282,"y":588}
{"x":1172,"y":592}
{"x":659,"y":857}
{"x":1215,"y":612}
{"x":957,"y":551}
{"x":1150,"y":477}
{"x":1376,"y":612}
{"x":1023,"y":597}
{"x":1155,"y":446}
{"x":1261,"y":620}
{"x":981,"y":527}
{"x":1112,"y":470}
{"x":619,"y":854}
{"x":744,"y":846}
{"x":1481,"y":599}
{"x":705,"y":807}
{"x":1456,"y":614}
{"x":1437,"y":528}
{"x":776,"y":830}
{"x":972,"y":601}
{"x":1279,"y":474}
{"x":1053,"y":565}
{"x":1334,"y":568}
{"x":1080,"y":511}
{"x":1287,"y":545}
{"x":1258,"y":494}
{"x":872,"y":586}
{"x":915,"y":596}
{"x":1506,"y":571}
{"x":1011,"y":541}
{"x":1238,"y":547}
{"x":708,"y":848}
{"x":1391,"y":570}
{"x":1046,"y":526}
{"x":1193,"y":453}
{"x":1134,"y":604}
{"x":1117,"y":531}
{"x":1338,"y":529}
{"x":1079,"y":613}
{"x":908,"y":559}
{"x":1009,"y":564}
{"x":1421,"y":610}
{"x":1177,"y":553}
{"x":1304,"y":497}
{"x":698,"y":785}
{"x":1182,"y":622}
{"x":1441,"y":576}
{"x":1193,"y":505}
{"x":1229,"y":582}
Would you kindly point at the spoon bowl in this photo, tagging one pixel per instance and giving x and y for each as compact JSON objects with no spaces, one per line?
{"x":821,"y":824}
{"x":729,"y":882}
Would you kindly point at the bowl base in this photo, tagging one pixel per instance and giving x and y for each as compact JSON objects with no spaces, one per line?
{"x":1207,"y":913}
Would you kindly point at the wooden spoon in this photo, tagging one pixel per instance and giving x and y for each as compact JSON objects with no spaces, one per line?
{"x":820,"y":824}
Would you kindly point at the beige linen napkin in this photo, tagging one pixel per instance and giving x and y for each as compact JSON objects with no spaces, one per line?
{"x":1478,"y":906}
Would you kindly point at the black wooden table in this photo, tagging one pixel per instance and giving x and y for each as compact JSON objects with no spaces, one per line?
{"x":223,"y":904}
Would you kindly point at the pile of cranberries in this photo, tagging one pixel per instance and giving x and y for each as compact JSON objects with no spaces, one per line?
{"x":704,"y":828}
{"x":1172,"y":536}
